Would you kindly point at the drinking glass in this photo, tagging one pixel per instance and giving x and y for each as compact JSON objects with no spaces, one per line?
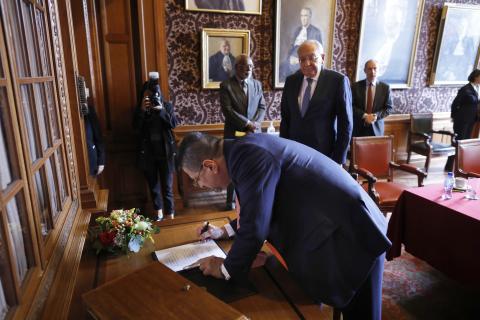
{"x":471,"y":193}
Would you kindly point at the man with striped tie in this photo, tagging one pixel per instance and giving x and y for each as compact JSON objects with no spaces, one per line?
{"x":316,"y":105}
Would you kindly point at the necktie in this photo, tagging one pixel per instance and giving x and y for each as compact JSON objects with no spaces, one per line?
{"x":306,"y":97}
{"x":370,"y":98}
{"x":244,"y":87}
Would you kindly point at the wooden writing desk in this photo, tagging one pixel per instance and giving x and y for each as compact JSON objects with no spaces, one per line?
{"x":278,"y":295}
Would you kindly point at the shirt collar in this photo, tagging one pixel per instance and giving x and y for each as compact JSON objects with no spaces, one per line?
{"x":374,"y":82}
{"x":240,"y":81}
{"x":314,"y":78}
{"x":475,"y":86}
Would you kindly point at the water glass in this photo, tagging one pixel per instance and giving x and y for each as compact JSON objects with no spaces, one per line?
{"x":471,"y":193}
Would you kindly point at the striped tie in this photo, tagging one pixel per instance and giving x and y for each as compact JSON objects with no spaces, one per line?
{"x":306,"y":97}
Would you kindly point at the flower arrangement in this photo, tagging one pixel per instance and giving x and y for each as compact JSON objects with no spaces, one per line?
{"x":122,"y":230}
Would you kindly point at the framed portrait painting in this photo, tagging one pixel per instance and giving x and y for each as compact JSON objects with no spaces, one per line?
{"x":295,"y":22}
{"x":220,"y":47}
{"x":388,"y":34}
{"x":225,"y":6}
{"x":457,"y":51}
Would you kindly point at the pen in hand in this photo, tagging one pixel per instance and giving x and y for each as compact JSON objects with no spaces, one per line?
{"x":191,"y":266}
{"x":205,"y":227}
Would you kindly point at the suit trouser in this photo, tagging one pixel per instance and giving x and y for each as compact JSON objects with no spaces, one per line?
{"x":463,"y":131}
{"x":365,"y":131}
{"x":160,"y":183}
{"x":367,"y":302}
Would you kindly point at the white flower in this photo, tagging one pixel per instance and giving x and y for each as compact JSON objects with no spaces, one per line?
{"x":141,"y":226}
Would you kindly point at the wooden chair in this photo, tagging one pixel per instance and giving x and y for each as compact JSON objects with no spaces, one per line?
{"x":420,"y":138}
{"x":372,"y":159}
{"x":467,"y":159}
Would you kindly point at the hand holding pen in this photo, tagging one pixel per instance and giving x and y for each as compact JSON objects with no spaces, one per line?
{"x":208,"y":231}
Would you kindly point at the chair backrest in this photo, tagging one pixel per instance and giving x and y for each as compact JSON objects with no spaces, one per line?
{"x":373,"y":154}
{"x":421,"y":122}
{"x":468,"y":155}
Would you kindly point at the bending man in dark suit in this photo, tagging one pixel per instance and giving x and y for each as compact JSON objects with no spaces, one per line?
{"x":465,"y":111}
{"x":306,"y":31}
{"x":369,"y":111}
{"x":316,"y":105}
{"x":243,"y":105}
{"x":220,"y":65}
{"x":325,"y":226}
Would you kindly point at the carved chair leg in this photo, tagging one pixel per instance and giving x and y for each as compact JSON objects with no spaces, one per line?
{"x":427,"y":163}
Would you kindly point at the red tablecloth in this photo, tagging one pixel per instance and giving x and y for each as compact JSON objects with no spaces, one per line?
{"x":444,"y":233}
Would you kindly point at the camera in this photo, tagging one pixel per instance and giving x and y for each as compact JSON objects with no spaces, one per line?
{"x":154,"y":88}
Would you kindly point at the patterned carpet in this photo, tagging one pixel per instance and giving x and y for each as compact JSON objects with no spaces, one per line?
{"x":412,"y":289}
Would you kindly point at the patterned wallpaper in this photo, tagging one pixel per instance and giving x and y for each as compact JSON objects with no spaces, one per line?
{"x":195,"y":105}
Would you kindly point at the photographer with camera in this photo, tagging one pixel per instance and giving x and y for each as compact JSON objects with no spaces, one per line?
{"x":153,"y":122}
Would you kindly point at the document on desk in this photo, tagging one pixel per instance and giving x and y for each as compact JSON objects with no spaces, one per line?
{"x":185,"y":256}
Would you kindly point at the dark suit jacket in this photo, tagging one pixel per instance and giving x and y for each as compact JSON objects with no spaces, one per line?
{"x":322,"y":222}
{"x":237,"y":108}
{"x":215,"y":67}
{"x":464,"y":111}
{"x":327,"y":124}
{"x":95,"y":145}
{"x":382,"y":106}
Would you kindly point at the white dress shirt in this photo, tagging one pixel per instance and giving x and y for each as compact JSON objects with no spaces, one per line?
{"x":476,"y":87}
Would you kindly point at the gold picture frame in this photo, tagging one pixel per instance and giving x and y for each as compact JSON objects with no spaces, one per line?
{"x":217,"y":61}
{"x":389,"y":33}
{"x":225,"y":6}
{"x":457,"y":51}
{"x":318,"y":18}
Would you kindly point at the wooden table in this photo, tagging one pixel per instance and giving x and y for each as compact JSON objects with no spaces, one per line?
{"x":278,"y":295}
{"x":444,"y":233}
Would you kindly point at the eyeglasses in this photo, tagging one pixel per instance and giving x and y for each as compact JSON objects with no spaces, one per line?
{"x":197,"y":178}
{"x":311,"y":58}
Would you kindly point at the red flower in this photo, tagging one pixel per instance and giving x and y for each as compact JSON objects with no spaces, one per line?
{"x":106,"y":238}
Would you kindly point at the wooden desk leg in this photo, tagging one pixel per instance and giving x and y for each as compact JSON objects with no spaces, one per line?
{"x":337,"y":315}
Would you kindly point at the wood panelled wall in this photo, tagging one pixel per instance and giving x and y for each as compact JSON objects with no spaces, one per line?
{"x":118,"y":54}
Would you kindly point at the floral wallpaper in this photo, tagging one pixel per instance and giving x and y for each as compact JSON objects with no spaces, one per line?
{"x":195,"y":105}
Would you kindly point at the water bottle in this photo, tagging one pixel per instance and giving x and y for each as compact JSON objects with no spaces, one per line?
{"x":448,"y":186}
{"x":271,"y":128}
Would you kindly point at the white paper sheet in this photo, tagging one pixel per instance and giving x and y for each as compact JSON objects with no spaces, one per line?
{"x":185,"y":256}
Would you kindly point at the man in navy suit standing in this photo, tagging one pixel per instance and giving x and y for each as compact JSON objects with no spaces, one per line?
{"x":316,"y":105}
{"x":372,"y":102}
{"x":325,"y":226}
